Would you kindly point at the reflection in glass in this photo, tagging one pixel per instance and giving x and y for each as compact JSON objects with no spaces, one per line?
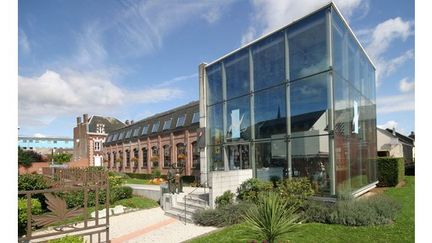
{"x":215,"y":124}
{"x":237,"y":74}
{"x":238,"y":157}
{"x":269,"y":61}
{"x":271,"y":160}
{"x":167,"y":155}
{"x":310,"y":158}
{"x":238,"y":119}
{"x":215,"y":155}
{"x":309,"y":106}
{"x":307,"y":41}
{"x":270,"y":112}
{"x":214,"y":83}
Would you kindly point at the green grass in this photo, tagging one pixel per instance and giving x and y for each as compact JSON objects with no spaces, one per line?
{"x":402,"y":230}
{"x":137,"y":202}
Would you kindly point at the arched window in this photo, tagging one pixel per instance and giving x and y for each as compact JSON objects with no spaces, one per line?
{"x":127,"y":158}
{"x":181,"y":154}
{"x":195,"y":156}
{"x":155,"y":156}
{"x":108,"y":157}
{"x":167,"y":155}
{"x":144,"y":157}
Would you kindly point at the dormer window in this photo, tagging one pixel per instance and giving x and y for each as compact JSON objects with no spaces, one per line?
{"x":100,"y":128}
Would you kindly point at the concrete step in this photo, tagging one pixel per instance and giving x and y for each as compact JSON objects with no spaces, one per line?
{"x":193,"y":200}
{"x":179,"y":216}
{"x":182,"y":210}
{"x":191,"y":205}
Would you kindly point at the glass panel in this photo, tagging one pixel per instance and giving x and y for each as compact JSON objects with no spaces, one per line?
{"x":237,"y":74}
{"x":238,"y":157}
{"x":181,"y":153}
{"x":128,"y":134}
{"x":309,"y":106}
{"x":195,"y":156}
{"x":271,"y":160}
{"x":215,"y":124}
{"x":339,"y":38}
{"x":155,"y":126}
{"x":167,"y":124}
{"x":342,"y":133}
{"x":109,"y":138}
{"x":307,"y":42}
{"x":238,"y":119}
{"x":195,"y":117}
{"x":310,"y":159}
{"x":115,"y":137}
{"x":269,"y":61}
{"x":181,"y":120}
{"x":214,"y":83}
{"x":270,"y":112}
{"x":145,"y":130}
{"x":216,"y":158}
{"x":353,"y":62}
{"x":357,"y":177}
{"x":121,"y":135}
{"x":135,"y":133}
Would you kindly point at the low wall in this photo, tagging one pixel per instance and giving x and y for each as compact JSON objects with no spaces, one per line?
{"x":221,"y":181}
{"x":36,"y":167}
{"x":148,"y":193}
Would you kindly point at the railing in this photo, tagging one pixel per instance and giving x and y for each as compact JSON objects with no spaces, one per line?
{"x":185,"y":201}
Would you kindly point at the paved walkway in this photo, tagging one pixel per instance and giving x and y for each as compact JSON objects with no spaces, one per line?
{"x":152,"y":225}
{"x":186,"y":189}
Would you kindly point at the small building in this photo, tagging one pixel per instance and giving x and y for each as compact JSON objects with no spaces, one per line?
{"x":46,"y":145}
{"x":89,"y":136}
{"x":156,"y":142}
{"x":393,"y":144}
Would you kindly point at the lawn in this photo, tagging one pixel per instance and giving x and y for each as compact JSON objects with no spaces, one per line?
{"x":402,"y":230}
{"x":137,"y":181}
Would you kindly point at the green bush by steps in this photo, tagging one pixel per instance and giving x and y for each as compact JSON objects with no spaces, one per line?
{"x":222,"y":216}
{"x":36,"y":208}
{"x":390,"y":171}
{"x":250,"y":189}
{"x":225,"y":199}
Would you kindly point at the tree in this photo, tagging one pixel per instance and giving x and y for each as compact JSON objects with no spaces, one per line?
{"x":26,"y":158}
{"x":62,"y":158}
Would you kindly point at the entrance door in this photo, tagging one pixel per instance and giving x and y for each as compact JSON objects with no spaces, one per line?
{"x":238,"y":157}
{"x":97,"y":160}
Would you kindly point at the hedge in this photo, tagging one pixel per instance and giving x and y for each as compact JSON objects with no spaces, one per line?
{"x":143,"y":176}
{"x":390,"y":171}
{"x":36,"y":208}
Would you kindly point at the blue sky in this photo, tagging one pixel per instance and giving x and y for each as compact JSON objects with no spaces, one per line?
{"x":132,"y":59}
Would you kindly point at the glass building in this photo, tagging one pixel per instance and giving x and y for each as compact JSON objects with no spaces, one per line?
{"x":299,"y":102}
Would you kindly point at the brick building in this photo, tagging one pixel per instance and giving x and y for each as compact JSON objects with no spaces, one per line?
{"x":156,"y":142}
{"x":89,"y":136}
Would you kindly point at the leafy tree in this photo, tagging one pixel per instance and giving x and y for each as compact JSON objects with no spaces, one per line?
{"x":62,"y":158}
{"x":26,"y":158}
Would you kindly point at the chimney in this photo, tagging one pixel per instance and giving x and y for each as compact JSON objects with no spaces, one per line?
{"x":412,"y":135}
{"x":78,"y":120}
{"x":127,"y":122}
{"x":394,"y":131}
{"x":85,"y":118}
{"x":132,"y":122}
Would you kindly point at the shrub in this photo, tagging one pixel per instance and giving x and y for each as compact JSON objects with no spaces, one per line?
{"x":250,"y":189}
{"x":271,"y":220}
{"x":361,"y":212}
{"x":68,"y":239}
{"x":140,"y":176}
{"x":120,"y":193}
{"x":295,"y":190}
{"x":29,"y":182}
{"x":156,"y":173}
{"x":222,"y":216}
{"x":36,"y":208}
{"x":115,"y":181}
{"x":225,"y":199}
{"x":390,"y":171}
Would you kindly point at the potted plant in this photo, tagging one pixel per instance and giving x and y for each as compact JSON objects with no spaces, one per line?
{"x":118,"y":162}
{"x":134,"y":161}
{"x":181,"y":157}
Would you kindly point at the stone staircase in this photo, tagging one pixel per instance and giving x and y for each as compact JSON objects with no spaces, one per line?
{"x":184,"y":205}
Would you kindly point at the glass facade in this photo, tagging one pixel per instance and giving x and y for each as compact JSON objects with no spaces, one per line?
{"x":297,"y":103}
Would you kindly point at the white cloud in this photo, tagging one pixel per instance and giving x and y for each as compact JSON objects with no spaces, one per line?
{"x":41,"y":99}
{"x":39,"y":135}
{"x":395,"y":103}
{"x":389,"y":124}
{"x":378,"y":41}
{"x":23,"y":41}
{"x":271,"y":15}
{"x":178,"y":79}
{"x":405,"y":85}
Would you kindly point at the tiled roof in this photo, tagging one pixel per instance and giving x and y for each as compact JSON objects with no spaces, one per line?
{"x":110,"y":123}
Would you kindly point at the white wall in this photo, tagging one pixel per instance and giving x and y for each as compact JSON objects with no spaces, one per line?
{"x":221,"y":181}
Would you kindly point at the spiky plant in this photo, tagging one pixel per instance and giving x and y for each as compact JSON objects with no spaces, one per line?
{"x":270,"y":220}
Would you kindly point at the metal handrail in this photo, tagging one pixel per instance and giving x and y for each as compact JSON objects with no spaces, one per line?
{"x":184,"y":198}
